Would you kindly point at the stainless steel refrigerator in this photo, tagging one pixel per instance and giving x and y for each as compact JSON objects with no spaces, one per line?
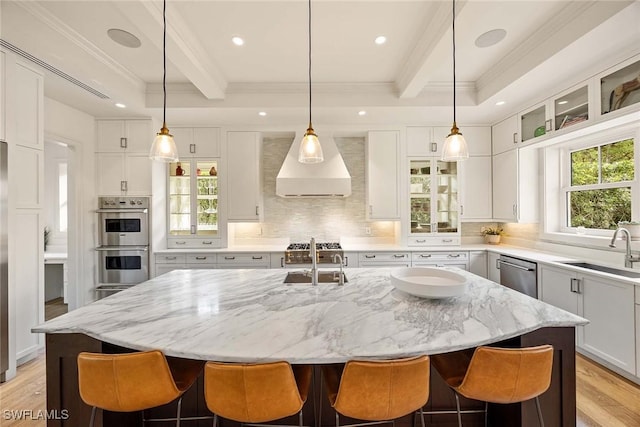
{"x":4,"y":276}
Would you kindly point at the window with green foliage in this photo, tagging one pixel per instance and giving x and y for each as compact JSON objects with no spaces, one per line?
{"x":599,"y":194}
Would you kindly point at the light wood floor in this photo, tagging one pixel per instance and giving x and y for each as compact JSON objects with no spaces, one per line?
{"x":604,"y":398}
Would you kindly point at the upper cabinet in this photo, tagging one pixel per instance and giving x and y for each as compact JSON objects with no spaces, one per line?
{"x":421,"y":142}
{"x":571,"y":108}
{"x":200,"y":142}
{"x":535,"y":122}
{"x":504,"y":135}
{"x":620,"y":87}
{"x":244,"y":176}
{"x":383,"y":175}
{"x":132,"y":136}
{"x":515,"y":185}
{"x":27,"y":104}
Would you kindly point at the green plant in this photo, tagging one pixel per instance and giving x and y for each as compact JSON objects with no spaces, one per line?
{"x":491,"y":231}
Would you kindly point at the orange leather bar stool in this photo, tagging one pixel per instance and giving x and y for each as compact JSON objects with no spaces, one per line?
{"x":256,"y":393}
{"x":132,"y":382}
{"x":378,"y":391}
{"x":497,"y":375}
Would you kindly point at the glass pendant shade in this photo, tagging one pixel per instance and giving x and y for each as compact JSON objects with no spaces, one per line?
{"x":455,"y":147}
{"x":164,"y":148}
{"x":310,"y":148}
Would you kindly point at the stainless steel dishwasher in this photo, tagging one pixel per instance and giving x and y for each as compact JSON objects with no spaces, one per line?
{"x":519,"y":275}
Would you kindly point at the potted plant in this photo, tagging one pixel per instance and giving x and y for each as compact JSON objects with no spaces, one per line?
{"x":491,"y":234}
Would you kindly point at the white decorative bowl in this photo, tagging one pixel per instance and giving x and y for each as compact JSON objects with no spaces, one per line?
{"x":429,"y":282}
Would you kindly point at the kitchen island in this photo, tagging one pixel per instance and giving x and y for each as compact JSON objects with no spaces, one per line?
{"x":252,"y":316}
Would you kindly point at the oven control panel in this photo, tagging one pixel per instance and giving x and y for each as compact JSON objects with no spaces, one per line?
{"x":123,"y":202}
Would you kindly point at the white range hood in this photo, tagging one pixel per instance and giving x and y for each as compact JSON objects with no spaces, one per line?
{"x":327,"y":179}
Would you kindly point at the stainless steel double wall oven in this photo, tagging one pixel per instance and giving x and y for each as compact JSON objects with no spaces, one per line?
{"x":123,"y":242}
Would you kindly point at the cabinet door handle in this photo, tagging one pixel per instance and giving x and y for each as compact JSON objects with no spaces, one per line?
{"x":370,"y":209}
{"x":498,"y":264}
{"x":461,"y":210}
{"x":515,"y":137}
{"x":425,"y":256}
{"x":257,"y":207}
{"x":192,"y":148}
{"x":230,"y":257}
{"x":207,"y":242}
{"x":434,"y":147}
{"x":201,"y":258}
{"x":515,"y":211}
{"x":123,"y":142}
{"x":547,"y":125}
{"x":256,"y":257}
{"x":193,"y":229}
{"x":575,"y":285}
{"x":282,"y":261}
{"x":123,"y":185}
{"x":346,"y":261}
{"x":369,"y":256}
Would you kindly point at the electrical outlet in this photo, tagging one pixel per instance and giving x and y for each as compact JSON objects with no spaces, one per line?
{"x":367,"y":231}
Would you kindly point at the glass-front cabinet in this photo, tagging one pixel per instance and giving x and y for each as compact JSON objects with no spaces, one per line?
{"x":193,"y":204}
{"x":433,"y":202}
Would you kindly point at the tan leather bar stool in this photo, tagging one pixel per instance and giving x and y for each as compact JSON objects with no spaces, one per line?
{"x":256,"y":393}
{"x":497,"y":375}
{"x":378,"y":391}
{"x":132,"y":382}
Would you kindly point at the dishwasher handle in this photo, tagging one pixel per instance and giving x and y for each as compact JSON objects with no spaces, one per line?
{"x":510,"y":264}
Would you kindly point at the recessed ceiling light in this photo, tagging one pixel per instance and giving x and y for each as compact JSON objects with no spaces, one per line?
{"x":381,"y":40}
{"x":491,"y":37}
{"x":124,"y":38}
{"x":562,"y":102}
{"x":362,"y":113}
{"x":262,"y":113}
{"x":238,"y":41}
{"x":500,"y":103}
{"x":120,"y":105}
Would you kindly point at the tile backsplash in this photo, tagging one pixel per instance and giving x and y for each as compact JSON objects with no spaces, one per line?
{"x":325,"y":219}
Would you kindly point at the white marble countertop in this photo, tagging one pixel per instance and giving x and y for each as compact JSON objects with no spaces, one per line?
{"x":251,"y":315}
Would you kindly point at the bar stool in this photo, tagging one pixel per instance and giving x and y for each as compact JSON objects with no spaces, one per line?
{"x":378,"y":391}
{"x":497,"y":375}
{"x":256,"y":393}
{"x":132,"y":382}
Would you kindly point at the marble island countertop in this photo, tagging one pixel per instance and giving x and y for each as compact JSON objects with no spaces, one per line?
{"x":251,"y":315}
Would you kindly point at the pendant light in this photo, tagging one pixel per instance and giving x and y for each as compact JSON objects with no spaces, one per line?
{"x":164,"y":148}
{"x":455,"y":147}
{"x":310,"y":148}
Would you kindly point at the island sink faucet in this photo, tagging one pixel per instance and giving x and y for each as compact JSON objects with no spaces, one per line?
{"x":314,"y":262}
{"x":628,"y":258}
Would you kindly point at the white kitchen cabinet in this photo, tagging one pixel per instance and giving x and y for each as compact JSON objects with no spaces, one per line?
{"x":28,"y":170}
{"x":383,"y":175}
{"x":433,"y":202}
{"x":535,"y":122}
{"x":168,"y":262}
{"x":244,"y":176}
{"x":123,"y":174}
{"x":384,"y":259}
{"x":515,"y":185}
{"x":478,"y":138}
{"x":607,"y":304}
{"x":420,"y":142}
{"x":203,"y":142}
{"x":476,"y":199}
{"x":3,"y":98}
{"x":458,"y":259}
{"x":493,"y":268}
{"x":504,"y":135}
{"x":131,"y":136}
{"x":193,"y":204}
{"x":27,"y":105}
{"x":244,"y":260}
{"x":478,"y":263}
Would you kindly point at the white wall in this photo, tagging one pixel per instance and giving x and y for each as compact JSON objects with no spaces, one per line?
{"x":77,"y":129}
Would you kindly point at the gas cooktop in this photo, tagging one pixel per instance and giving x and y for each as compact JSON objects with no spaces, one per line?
{"x":319,"y":246}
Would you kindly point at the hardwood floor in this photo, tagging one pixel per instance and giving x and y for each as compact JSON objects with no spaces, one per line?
{"x":604,"y":399}
{"x":54,"y":308}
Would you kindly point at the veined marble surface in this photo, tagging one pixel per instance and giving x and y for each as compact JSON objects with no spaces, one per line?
{"x":252,"y":316}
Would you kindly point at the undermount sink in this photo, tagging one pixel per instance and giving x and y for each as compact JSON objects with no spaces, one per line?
{"x":305,"y":277}
{"x":604,"y":269}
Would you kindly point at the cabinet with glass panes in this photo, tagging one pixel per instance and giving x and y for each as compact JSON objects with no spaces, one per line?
{"x":193,"y":204}
{"x":433,"y":201}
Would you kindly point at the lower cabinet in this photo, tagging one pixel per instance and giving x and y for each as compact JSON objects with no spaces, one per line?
{"x":169,"y":262}
{"x":478,"y":263}
{"x":244,"y":260}
{"x":440,"y":259}
{"x":384,"y":259}
{"x":493,"y":268}
{"x":608,"y":304}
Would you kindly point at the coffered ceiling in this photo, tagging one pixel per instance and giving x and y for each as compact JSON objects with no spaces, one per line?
{"x":549,"y":45}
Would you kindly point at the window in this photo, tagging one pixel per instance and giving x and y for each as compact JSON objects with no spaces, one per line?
{"x":599,"y":194}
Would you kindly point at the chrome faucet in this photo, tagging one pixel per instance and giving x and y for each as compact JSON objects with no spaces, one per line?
{"x":314,"y":262}
{"x":337,"y":257}
{"x":628,"y":258}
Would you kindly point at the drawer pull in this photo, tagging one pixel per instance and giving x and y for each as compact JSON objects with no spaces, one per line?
{"x":181,"y":243}
{"x":420,"y":241}
{"x":425,"y":256}
{"x":256,"y":257}
{"x":398,"y":256}
{"x":209,"y":242}
{"x":170,"y":258}
{"x":447,"y":240}
{"x":370,"y":256}
{"x":201,"y":258}
{"x":230,"y":257}
{"x":454,"y":256}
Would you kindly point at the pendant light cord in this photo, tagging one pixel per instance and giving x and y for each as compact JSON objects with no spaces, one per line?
{"x":164,"y":63}
{"x":453,"y":30}
{"x":310,"y":63}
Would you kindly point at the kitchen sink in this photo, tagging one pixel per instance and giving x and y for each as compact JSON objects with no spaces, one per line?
{"x":305,"y":277}
{"x":604,"y":269}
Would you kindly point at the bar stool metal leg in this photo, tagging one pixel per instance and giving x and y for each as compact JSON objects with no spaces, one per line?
{"x":539,"y":412}
{"x":93,"y":416}
{"x":458,"y":409}
{"x":486,"y":414}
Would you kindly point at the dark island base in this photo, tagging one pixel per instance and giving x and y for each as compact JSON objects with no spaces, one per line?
{"x":558,"y":403}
